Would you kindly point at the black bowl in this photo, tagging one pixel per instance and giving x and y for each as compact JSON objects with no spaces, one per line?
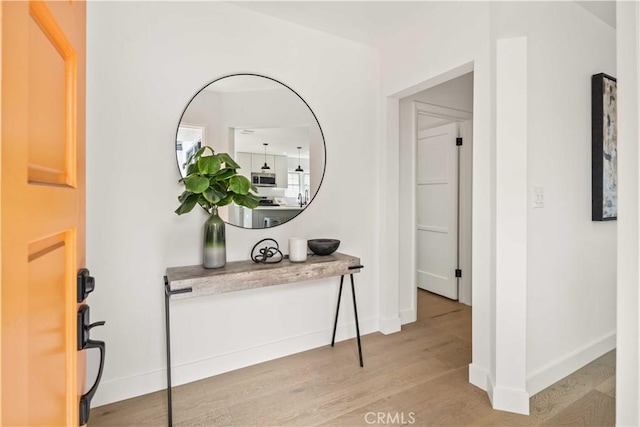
{"x":323,"y":246}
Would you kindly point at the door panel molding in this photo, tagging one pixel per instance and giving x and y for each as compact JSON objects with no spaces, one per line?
{"x":38,"y":173}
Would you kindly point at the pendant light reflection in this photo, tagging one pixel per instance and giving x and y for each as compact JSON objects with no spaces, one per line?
{"x":265,"y":166}
{"x":299,"y":168}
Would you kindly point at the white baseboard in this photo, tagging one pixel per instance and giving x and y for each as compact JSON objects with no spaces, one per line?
{"x":505,"y":399}
{"x":111,"y":391}
{"x":408,"y":316}
{"x":479,"y":377}
{"x":518,"y":400}
{"x":390,"y":326}
{"x":558,"y":369}
{"x":491,"y":384}
{"x":510,"y":400}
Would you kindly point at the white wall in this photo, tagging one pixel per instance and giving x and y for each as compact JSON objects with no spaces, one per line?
{"x":571,"y":260}
{"x":140,"y":77}
{"x":570,"y":277}
{"x":457,"y":94}
{"x":509,"y":392}
{"x":628,"y":351}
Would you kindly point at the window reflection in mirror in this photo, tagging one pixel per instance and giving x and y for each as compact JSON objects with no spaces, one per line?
{"x":261,"y":123}
{"x":189,"y":140}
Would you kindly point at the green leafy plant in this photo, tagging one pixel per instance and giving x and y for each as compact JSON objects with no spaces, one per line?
{"x":213,"y":180}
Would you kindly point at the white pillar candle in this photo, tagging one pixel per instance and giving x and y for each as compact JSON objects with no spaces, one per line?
{"x":297,"y":249}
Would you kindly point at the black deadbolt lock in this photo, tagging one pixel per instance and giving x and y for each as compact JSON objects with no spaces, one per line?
{"x":86,"y":284}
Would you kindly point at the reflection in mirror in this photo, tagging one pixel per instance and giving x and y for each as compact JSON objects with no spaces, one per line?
{"x":273,"y":135}
{"x":190,"y":139}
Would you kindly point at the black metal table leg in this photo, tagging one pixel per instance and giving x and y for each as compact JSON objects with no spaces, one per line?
{"x":167,"y":295}
{"x":335,"y":324}
{"x":168,"y":341}
{"x":355,"y":312}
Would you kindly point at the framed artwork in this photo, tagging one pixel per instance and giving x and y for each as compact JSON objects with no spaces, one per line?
{"x":604,"y":150}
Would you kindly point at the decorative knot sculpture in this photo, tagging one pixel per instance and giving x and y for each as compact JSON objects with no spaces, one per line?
{"x":267,"y":254}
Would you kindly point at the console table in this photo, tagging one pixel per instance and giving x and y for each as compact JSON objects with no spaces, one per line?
{"x":196,"y":281}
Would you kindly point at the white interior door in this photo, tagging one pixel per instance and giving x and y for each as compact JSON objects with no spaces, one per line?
{"x":437,"y":210}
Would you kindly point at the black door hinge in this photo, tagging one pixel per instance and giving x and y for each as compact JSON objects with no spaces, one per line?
{"x":458,"y":141}
{"x":458,"y":272}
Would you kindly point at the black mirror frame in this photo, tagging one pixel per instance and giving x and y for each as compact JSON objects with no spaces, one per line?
{"x":324,"y":166}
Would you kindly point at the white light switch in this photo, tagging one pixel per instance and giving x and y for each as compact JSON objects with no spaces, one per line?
{"x":538,"y":197}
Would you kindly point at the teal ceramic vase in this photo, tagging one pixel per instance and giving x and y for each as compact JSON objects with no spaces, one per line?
{"x":214,"y":254}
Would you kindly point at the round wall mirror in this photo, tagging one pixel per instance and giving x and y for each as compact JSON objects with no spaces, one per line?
{"x":270,"y":131}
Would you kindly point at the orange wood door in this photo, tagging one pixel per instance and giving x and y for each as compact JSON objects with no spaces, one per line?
{"x":42,"y":205}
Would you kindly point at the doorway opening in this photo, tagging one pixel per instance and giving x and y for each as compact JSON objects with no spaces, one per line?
{"x":436,"y":173}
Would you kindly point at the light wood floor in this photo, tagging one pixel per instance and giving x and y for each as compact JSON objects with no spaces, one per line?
{"x":417,"y":376}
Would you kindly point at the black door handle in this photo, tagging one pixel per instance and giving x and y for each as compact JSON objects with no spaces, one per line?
{"x":85,"y":343}
{"x":84,"y":326}
{"x":85,"y":399}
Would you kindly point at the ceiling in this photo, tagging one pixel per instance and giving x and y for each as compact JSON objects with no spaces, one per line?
{"x":282,"y":141}
{"x":366,"y":22}
{"x":604,"y":10}
{"x":370,"y":22}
